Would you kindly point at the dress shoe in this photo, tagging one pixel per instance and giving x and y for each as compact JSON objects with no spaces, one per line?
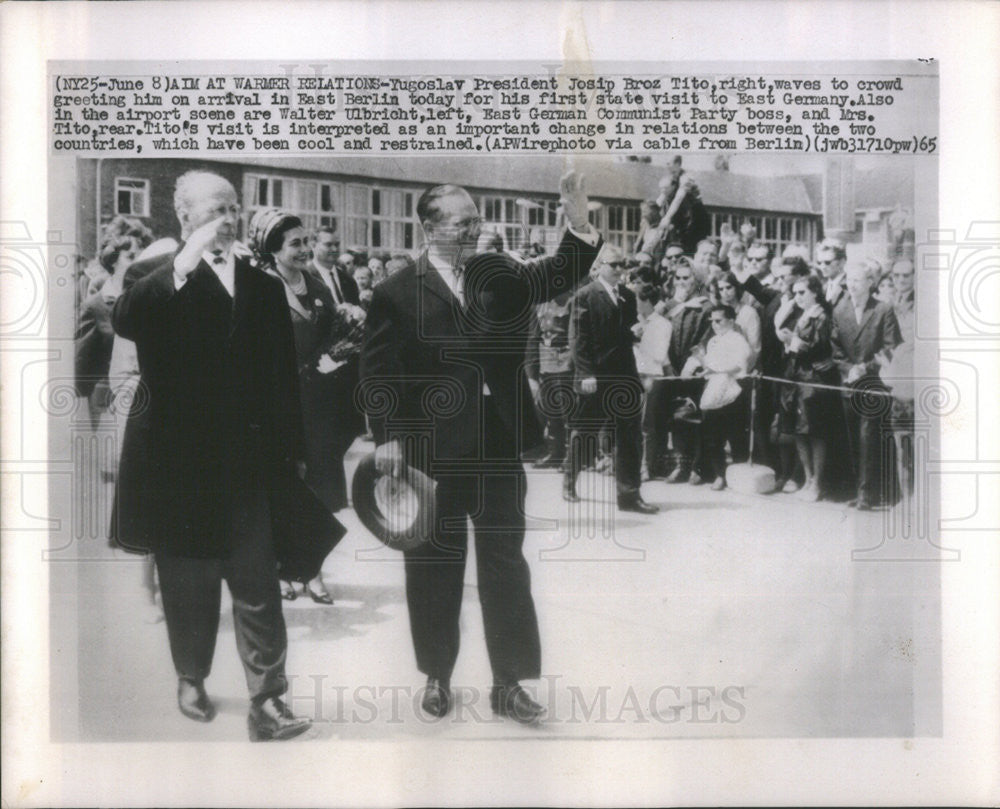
{"x":437,"y":697}
{"x":679,"y":475}
{"x":570,"y":495}
{"x":513,"y":701}
{"x":318,"y":592}
{"x":271,"y":720}
{"x":193,"y":701}
{"x":634,"y":502}
{"x":288,"y":591}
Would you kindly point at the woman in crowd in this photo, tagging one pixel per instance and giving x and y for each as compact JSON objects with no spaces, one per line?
{"x":809,"y":413}
{"x":688,"y":313}
{"x":885,"y":291}
{"x":282,"y":246}
{"x":94,"y":337}
{"x":727,"y":290}
{"x":724,"y":360}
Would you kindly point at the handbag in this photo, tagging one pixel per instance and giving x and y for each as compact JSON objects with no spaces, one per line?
{"x":303,"y":531}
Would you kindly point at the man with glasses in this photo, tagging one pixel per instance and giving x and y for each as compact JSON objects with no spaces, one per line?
{"x":444,"y":350}
{"x":830,"y":258}
{"x":223,"y":424}
{"x":758,"y":260}
{"x":671,"y":258}
{"x":609,"y":393}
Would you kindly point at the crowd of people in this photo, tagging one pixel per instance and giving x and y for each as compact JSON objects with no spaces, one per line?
{"x":822,"y":347}
{"x":670,"y":362}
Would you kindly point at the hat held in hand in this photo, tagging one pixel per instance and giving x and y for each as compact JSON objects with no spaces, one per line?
{"x":399,"y":511}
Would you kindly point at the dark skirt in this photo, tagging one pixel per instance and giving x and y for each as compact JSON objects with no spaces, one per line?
{"x":809,"y":411}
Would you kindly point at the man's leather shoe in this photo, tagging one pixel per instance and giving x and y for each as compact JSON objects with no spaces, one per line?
{"x":437,"y":698}
{"x":513,"y":701}
{"x":193,"y":701}
{"x":271,"y":720}
{"x":569,"y":494}
{"x":636,"y":503}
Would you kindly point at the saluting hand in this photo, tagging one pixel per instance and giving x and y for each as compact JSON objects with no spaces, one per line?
{"x":198,"y":242}
{"x":574,"y":200}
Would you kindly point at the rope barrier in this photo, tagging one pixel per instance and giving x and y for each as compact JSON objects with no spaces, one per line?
{"x":781,"y":380}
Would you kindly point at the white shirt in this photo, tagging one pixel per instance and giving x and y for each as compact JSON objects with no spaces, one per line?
{"x":329,"y":276}
{"x":612,"y":292}
{"x":451,"y":278}
{"x":654,"y":345}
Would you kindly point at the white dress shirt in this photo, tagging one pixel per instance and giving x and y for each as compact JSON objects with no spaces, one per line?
{"x":329,"y":276}
{"x":612,"y":291}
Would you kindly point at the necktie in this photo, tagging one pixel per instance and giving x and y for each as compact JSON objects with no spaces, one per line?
{"x":335,"y":286}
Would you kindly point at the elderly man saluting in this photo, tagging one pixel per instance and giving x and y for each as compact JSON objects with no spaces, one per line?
{"x":457,"y":323}
{"x":214,"y":340}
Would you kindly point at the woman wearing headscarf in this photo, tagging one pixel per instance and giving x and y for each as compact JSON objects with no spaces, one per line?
{"x":282,"y":247}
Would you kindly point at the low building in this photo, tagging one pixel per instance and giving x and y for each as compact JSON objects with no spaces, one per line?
{"x":371,"y":201}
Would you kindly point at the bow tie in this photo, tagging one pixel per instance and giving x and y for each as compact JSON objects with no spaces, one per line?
{"x":218,"y":258}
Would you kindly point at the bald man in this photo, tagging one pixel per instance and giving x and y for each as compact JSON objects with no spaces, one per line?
{"x":222,"y":423}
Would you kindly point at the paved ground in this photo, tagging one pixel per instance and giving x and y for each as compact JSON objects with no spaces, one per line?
{"x":724,"y":615}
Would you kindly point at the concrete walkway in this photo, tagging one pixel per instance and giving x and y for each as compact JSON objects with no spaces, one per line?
{"x":725,"y":615}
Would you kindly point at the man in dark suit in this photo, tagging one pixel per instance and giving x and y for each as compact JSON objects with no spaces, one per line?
{"x":609,"y":393}
{"x":830,"y":258}
{"x":222,"y":423}
{"x":443,"y":381}
{"x":340,"y":385}
{"x":326,"y":248}
{"x":863,"y":329}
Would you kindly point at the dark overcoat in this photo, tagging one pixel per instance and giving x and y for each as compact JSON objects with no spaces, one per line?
{"x":427,"y":358}
{"x":218,"y":404}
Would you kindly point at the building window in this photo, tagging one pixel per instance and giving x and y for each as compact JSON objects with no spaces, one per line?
{"x":131,"y":196}
{"x":777,"y":232}
{"x":503,"y":215}
{"x":393,"y":219}
{"x":357,"y":211}
{"x":623,"y":226}
{"x":317,"y":203}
